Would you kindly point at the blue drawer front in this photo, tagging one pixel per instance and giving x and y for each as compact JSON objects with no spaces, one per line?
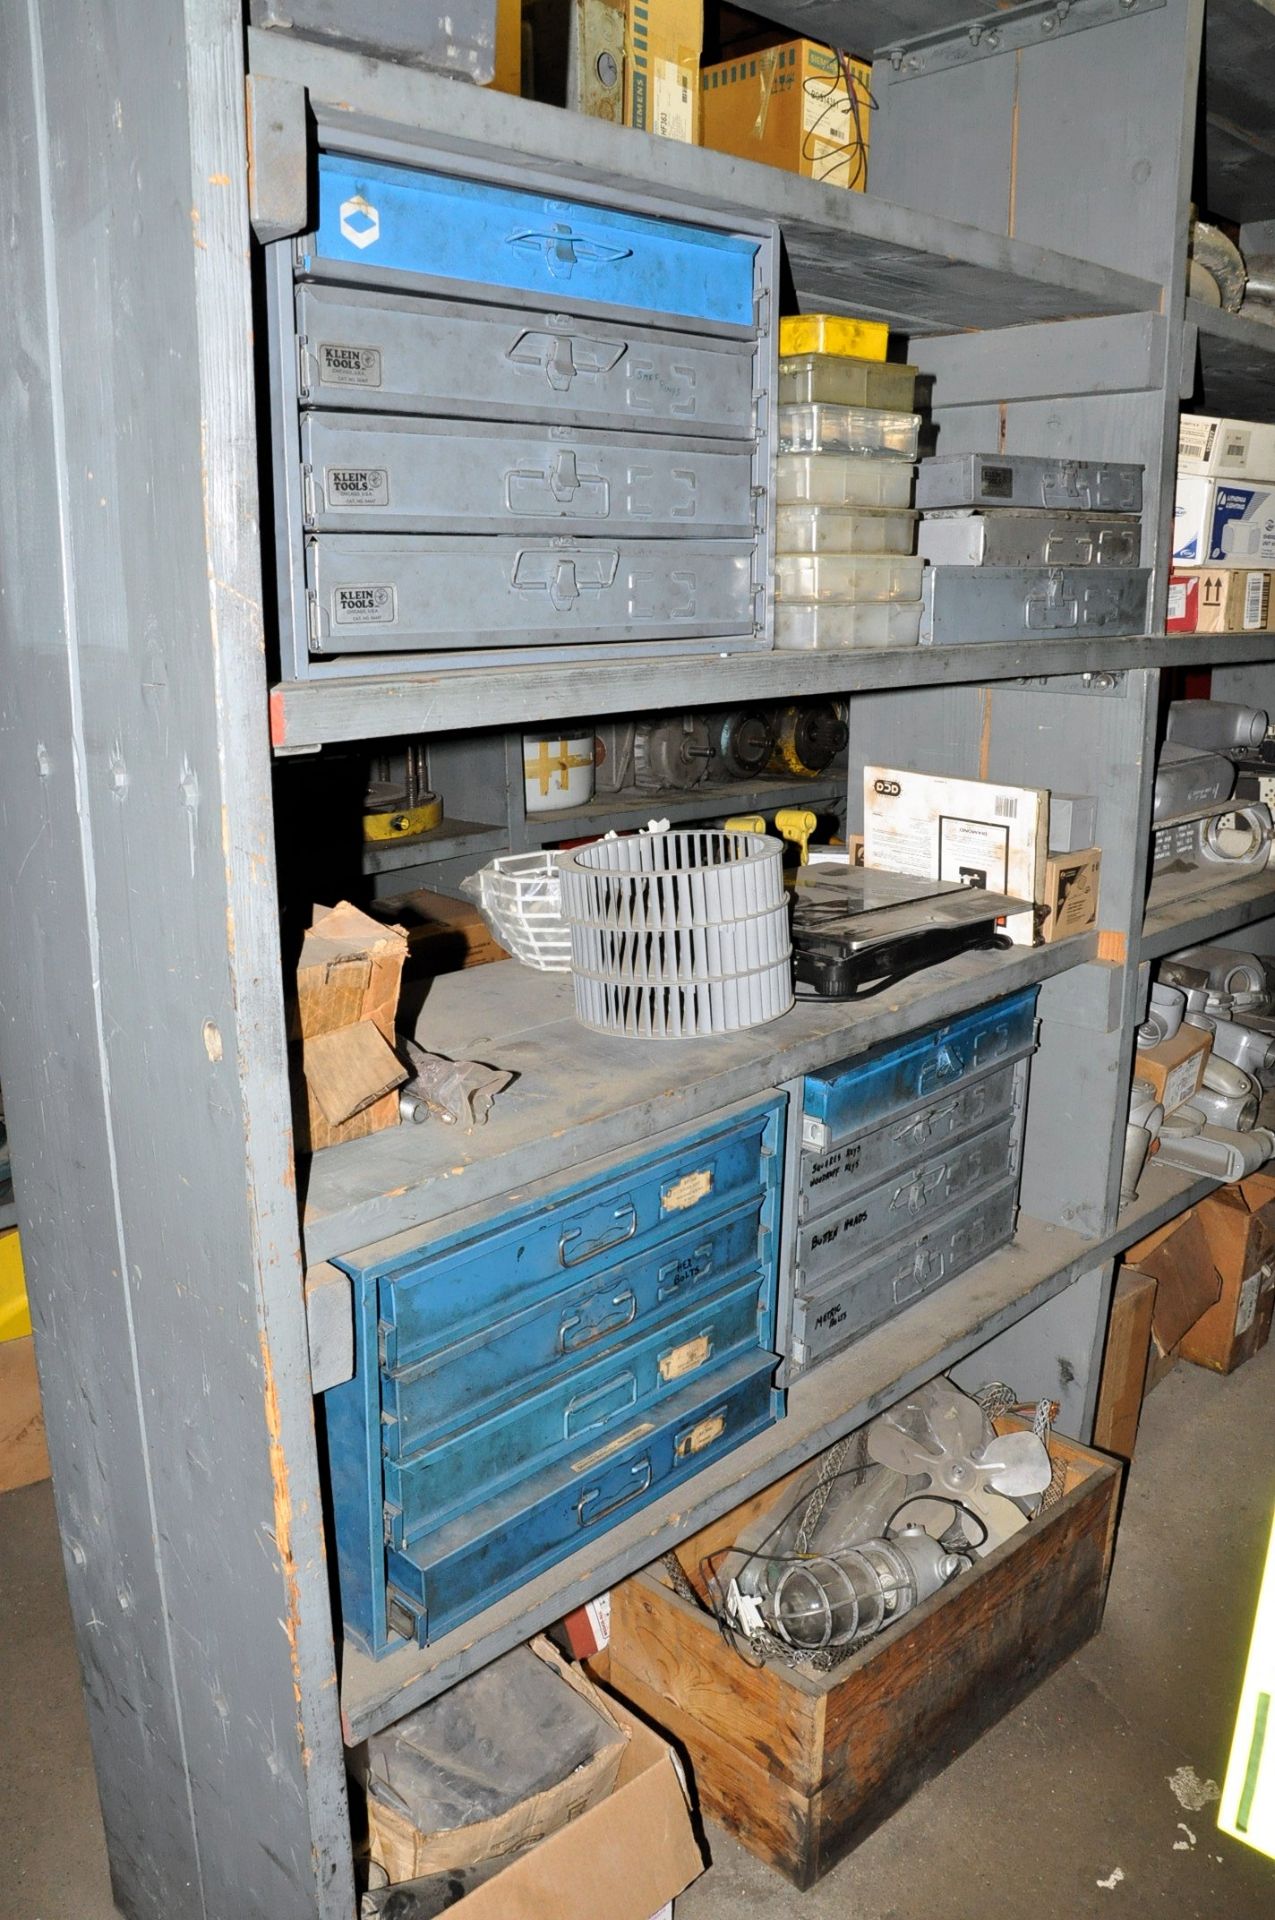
{"x":453,"y":1574}
{"x":573,"y":1326}
{"x":480,"y":1459}
{"x":410,"y":221}
{"x":841,"y":1100}
{"x":432,"y":1297}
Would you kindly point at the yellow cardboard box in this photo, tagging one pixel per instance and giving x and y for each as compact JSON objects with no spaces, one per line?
{"x":790,"y":107}
{"x":663,"y":40}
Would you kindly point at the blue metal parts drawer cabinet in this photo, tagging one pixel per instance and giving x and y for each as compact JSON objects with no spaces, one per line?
{"x":908,"y":1171}
{"x":504,"y":418}
{"x":540,"y":1368}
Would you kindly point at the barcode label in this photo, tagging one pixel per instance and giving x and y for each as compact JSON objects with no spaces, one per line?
{"x":1177,"y":600}
{"x":1256,"y":600}
{"x":1005,"y":806}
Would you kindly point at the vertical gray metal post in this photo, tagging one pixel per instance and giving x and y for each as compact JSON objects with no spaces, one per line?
{"x":143,"y":1035}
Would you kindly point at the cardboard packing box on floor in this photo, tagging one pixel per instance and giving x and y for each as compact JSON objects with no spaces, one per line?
{"x":348,"y":980}
{"x":789,"y":107}
{"x":1179,"y":1259}
{"x":1239,"y":1225}
{"x":1124,"y":1363}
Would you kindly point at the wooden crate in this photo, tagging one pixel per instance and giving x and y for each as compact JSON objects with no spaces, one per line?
{"x":802,"y":1767}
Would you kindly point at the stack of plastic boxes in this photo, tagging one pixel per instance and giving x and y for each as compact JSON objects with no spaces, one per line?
{"x":845,"y":570}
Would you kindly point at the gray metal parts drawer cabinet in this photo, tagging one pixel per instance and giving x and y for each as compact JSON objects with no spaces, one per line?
{"x":504,"y":419}
{"x":908,"y":1171}
{"x":544,"y":1365}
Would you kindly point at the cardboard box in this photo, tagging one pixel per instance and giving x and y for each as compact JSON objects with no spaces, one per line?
{"x":1220,"y":600}
{"x":626,"y":1858}
{"x":1124,"y":1363}
{"x":942,"y":828}
{"x":663,"y":40}
{"x":1069,"y":903}
{"x":24,"y":1458}
{"x":405,"y":1852}
{"x":1239,"y":1226}
{"x":1178,"y":1259}
{"x":1175,"y":1067}
{"x":1222,"y":523}
{"x":348,"y":980}
{"x":1224,"y":449}
{"x":790,"y":107}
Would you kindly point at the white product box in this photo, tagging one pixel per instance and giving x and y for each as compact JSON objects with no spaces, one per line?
{"x":1222,"y":523}
{"x":1222,"y":449}
{"x":941,"y":828}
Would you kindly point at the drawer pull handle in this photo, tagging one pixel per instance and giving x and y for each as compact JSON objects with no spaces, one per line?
{"x":946,"y":1065}
{"x":562,"y":250}
{"x":625,"y":1226}
{"x":560,"y":357}
{"x":642,"y":1476}
{"x":578,"y":1330}
{"x":600,"y":1404}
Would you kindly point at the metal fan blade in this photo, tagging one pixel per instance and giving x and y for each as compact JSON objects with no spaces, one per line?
{"x":892,"y":1446}
{"x":999,"y":1515}
{"x":1016,"y":1464}
{"x":957,"y":1422}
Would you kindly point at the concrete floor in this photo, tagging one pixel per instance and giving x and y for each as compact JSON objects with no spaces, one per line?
{"x":1031,"y":1822}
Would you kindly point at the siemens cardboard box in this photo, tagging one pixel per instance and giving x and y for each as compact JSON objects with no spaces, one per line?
{"x":791,"y":107}
{"x":663,"y":40}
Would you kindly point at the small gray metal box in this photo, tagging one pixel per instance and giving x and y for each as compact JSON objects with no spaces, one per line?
{"x":828,"y":1181}
{"x":852,"y":1302}
{"x":966,"y":605}
{"x":1073,"y":822}
{"x":392,"y":353}
{"x":1029,"y":480}
{"x":908,"y":1203}
{"x":376,"y":594}
{"x":1029,"y":537}
{"x":370,"y":474}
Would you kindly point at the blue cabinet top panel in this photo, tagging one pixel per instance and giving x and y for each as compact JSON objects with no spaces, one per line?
{"x":406,"y":220}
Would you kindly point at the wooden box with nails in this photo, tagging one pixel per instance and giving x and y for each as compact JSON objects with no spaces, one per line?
{"x":802,"y":1766}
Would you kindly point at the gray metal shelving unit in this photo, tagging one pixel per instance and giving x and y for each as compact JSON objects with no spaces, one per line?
{"x":144,"y":1039}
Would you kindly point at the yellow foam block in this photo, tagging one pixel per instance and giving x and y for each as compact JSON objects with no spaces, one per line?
{"x":15,"y":1317}
{"x":833,"y":333}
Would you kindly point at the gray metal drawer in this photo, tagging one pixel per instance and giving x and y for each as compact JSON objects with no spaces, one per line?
{"x":1032,"y":537}
{"x":826,"y":1181}
{"x":908,"y":1201}
{"x":452,"y":476}
{"x":391,"y":353}
{"x":371,"y":594}
{"x":962,"y":605}
{"x":851,"y":1303}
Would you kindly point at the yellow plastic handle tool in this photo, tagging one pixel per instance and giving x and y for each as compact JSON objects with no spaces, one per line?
{"x":797,"y":824}
{"x":745,"y":823}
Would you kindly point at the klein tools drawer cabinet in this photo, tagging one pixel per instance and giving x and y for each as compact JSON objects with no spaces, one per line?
{"x":540,"y":1368}
{"x":506,"y":419}
{"x":908,"y":1172}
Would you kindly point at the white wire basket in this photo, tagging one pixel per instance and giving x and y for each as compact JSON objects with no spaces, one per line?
{"x":520,"y":897}
{"x":678,"y":933}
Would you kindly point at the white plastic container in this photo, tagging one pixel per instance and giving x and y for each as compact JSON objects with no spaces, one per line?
{"x":823,"y":429}
{"x":520,"y":898}
{"x":845,"y":529}
{"x":813,"y":626}
{"x":840,"y":380}
{"x":843,"y":480}
{"x":557,"y":769}
{"x":843,"y":577}
{"x":678,"y":933}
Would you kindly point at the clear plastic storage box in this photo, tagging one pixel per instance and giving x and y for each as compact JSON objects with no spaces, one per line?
{"x":847,"y":577}
{"x":845,"y":530}
{"x":843,"y":480}
{"x":832,"y":379}
{"x":814,"y":428}
{"x":812,"y":626}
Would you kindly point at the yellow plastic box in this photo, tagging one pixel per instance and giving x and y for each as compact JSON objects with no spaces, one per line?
{"x":832,"y":333}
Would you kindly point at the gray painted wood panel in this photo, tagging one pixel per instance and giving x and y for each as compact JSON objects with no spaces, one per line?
{"x":143,"y":1028}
